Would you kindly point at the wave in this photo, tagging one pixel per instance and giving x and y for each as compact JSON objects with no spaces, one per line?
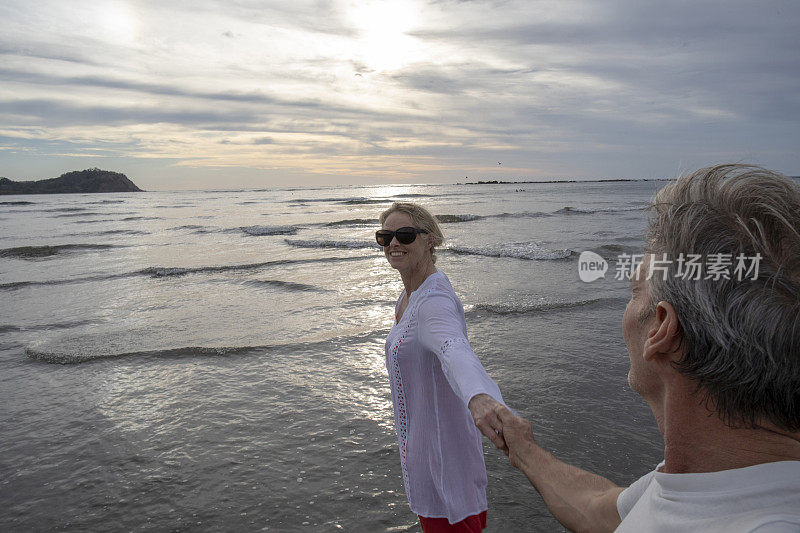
{"x":189,"y":226}
{"x":108,"y":232}
{"x":611,"y":251}
{"x":568,"y":210}
{"x":81,"y":214}
{"x":519,"y":250}
{"x":66,"y":357}
{"x":288,"y":285}
{"x":415,"y":195}
{"x":451,"y":219}
{"x":312,"y":200}
{"x":19,"y":284}
{"x":36,"y":252}
{"x":524,"y":214}
{"x":5,"y":328}
{"x":100,"y":277}
{"x":539,"y":307}
{"x":91,"y":214}
{"x":346,"y":201}
{"x":66,"y":210}
{"x":370,"y":302}
{"x":269,"y":230}
{"x":108,"y":202}
{"x":353,"y":222}
{"x":161,"y":272}
{"x":158,"y":272}
{"x":143,"y":218}
{"x":637,"y":207}
{"x":197,"y":229}
{"x":321,"y":243}
{"x":366,"y":201}
{"x":18,"y":202}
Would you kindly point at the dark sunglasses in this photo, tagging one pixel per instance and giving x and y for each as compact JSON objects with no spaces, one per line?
{"x":404,"y":235}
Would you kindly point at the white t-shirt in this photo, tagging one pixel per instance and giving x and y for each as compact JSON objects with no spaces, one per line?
{"x":762,"y":498}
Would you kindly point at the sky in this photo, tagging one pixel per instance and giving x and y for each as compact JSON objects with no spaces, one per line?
{"x":203,"y":94}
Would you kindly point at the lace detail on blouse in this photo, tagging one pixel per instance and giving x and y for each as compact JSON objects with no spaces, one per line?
{"x":451,"y":342}
{"x":402,"y":414}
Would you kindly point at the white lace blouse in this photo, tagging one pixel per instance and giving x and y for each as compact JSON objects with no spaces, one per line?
{"x":433,"y":374}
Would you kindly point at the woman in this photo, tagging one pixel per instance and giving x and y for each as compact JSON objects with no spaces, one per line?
{"x":439,"y":388}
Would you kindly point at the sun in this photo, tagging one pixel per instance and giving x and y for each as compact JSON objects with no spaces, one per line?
{"x":116,"y":19}
{"x":383,"y":43}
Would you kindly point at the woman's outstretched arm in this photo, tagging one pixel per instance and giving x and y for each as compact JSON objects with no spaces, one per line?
{"x":442,"y":332}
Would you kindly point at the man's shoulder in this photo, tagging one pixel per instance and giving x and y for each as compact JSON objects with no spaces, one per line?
{"x":628,"y":497}
{"x":763,"y":497}
{"x":777,"y":521}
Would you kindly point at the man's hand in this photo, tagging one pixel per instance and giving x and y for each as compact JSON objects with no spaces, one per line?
{"x":484,"y":408}
{"x":518,"y":435}
{"x":580,"y":500}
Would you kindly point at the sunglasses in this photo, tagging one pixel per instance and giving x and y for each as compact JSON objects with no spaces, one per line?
{"x":404,"y":235}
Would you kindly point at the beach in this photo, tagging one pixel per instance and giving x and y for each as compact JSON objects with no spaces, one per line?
{"x":214,"y":360}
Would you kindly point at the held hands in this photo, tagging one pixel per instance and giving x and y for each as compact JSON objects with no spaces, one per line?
{"x":508,"y":432}
{"x":484,"y":413}
{"x":518,"y":434}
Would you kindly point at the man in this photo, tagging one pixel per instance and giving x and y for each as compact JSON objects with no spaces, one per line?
{"x":717,"y":358}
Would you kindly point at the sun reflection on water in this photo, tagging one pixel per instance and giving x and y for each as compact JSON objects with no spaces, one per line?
{"x":371,"y":397}
{"x":389,"y":191}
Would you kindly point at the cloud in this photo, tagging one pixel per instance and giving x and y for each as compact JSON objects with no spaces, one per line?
{"x":573,"y":86}
{"x":432,"y":80}
{"x":56,"y":113}
{"x":46,"y":51}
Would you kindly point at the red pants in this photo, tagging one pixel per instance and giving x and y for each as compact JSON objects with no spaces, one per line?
{"x":471,"y":524}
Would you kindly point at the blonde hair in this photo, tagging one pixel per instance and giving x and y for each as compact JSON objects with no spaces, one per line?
{"x":421,"y":218}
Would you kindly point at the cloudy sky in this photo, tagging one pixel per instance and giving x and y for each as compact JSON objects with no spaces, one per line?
{"x":243,"y":93}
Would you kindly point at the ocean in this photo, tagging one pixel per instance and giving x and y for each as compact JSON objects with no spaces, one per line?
{"x":213,"y":361}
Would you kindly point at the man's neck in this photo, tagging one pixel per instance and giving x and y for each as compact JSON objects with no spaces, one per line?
{"x":696,"y":440}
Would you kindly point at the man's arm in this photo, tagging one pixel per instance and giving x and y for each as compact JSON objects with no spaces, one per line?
{"x":579,"y":500}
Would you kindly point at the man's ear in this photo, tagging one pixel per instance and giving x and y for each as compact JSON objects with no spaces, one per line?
{"x":665,"y":337}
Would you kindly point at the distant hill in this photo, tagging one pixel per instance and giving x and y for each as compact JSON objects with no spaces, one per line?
{"x":79,"y":181}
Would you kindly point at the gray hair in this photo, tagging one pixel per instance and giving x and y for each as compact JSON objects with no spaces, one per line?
{"x":741,"y":338}
{"x":421,"y":218}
